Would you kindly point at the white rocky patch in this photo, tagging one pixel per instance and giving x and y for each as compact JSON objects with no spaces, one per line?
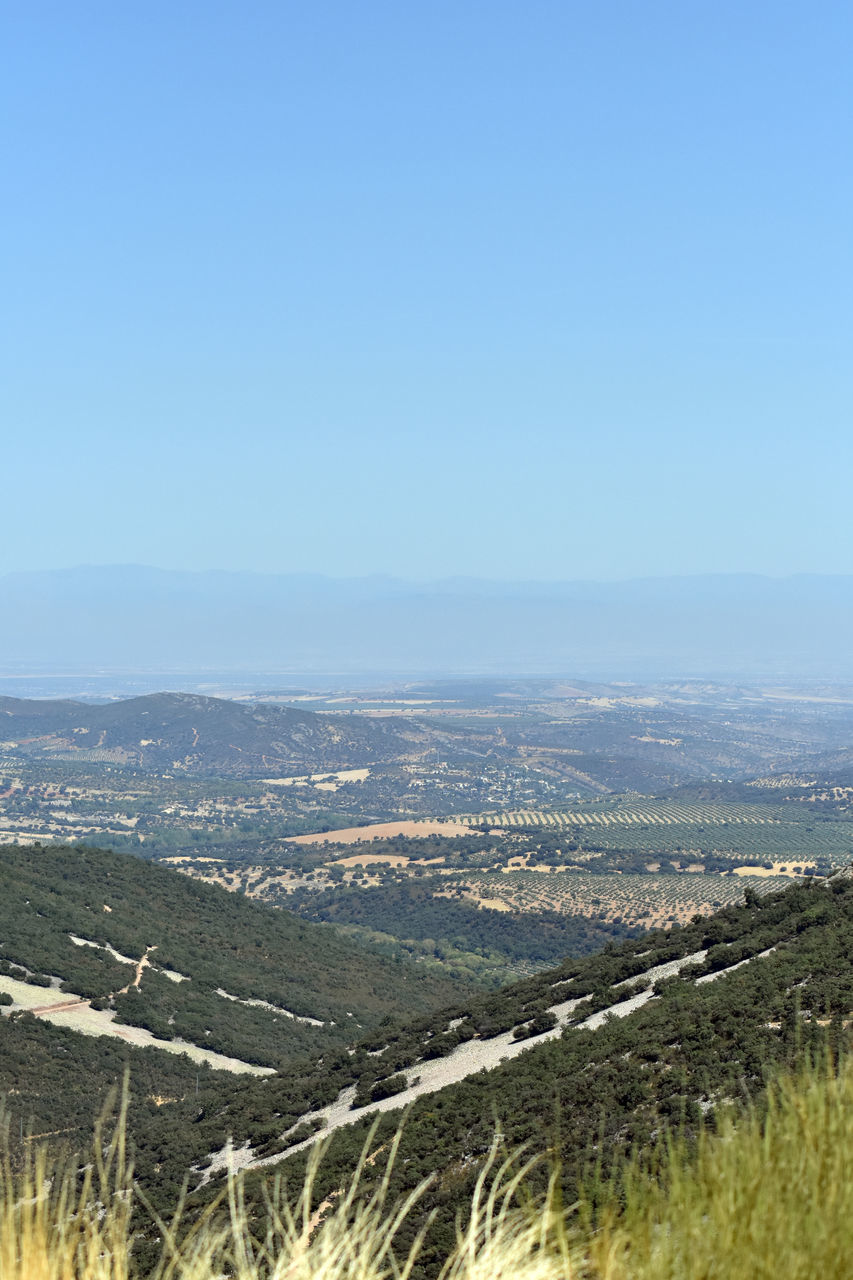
{"x":100,"y":946}
{"x":273,"y":1008}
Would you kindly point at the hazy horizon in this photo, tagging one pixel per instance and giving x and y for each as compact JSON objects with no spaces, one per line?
{"x":379,"y":575}
{"x":134,"y":618}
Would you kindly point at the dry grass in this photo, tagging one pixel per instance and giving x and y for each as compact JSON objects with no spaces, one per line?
{"x":764,"y":1199}
{"x":56,"y":1225}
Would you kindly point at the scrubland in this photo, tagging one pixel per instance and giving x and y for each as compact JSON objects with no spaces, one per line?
{"x":768,"y":1194}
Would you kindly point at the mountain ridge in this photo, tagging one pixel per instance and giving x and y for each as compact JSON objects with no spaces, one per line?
{"x":201,"y":734}
{"x":138,"y":616}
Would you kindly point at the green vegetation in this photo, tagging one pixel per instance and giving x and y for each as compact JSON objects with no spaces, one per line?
{"x":214,"y":940}
{"x":766,"y":1195}
{"x":419,"y":917}
{"x":194,"y":779}
{"x":172,"y":773}
{"x":42,"y":1067}
{"x":594,"y":1097}
{"x":589,"y":1095}
{"x":210,"y":937}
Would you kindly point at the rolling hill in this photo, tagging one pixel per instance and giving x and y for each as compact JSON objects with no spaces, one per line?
{"x":588,"y":1062}
{"x":205,"y":736}
{"x":106,"y":960}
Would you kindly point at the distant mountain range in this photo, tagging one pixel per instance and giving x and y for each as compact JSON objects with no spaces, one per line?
{"x":132,"y":617}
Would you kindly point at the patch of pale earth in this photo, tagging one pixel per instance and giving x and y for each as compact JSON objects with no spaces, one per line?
{"x":171,"y":974}
{"x":663,"y":742}
{"x":429,"y":1077}
{"x":65,"y":1009}
{"x":646,"y":981}
{"x":659,"y":971}
{"x":189,"y":858}
{"x":397,"y":702}
{"x":382,"y":830}
{"x":100,"y":946}
{"x":620,"y":1010}
{"x":229,"y":880}
{"x":615,"y":702}
{"x":26,"y":996}
{"x":483,"y":900}
{"x":721,"y":973}
{"x":778,"y":869}
{"x":228,"y":1160}
{"x":216,"y":1061}
{"x":16,"y":836}
{"x":274,"y":1008}
{"x":377,"y":713}
{"x":340,"y":775}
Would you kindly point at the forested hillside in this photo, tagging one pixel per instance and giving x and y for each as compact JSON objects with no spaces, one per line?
{"x":593,"y":1095}
{"x":602,"y":1053}
{"x":421,"y":918}
{"x":113,"y":937}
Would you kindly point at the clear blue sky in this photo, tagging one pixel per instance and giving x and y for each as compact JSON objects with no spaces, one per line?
{"x":543,"y":289}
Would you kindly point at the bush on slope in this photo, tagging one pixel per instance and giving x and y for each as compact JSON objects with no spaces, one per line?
{"x":766,"y":1196}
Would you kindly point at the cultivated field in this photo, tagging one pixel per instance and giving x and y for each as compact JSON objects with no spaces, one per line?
{"x":651,"y":900}
{"x":382,"y":831}
{"x":652,"y":813}
{"x":749,"y":833}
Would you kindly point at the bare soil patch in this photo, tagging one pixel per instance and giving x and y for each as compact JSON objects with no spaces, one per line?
{"x":383,"y":830}
{"x":777,"y":869}
{"x":66,"y":1010}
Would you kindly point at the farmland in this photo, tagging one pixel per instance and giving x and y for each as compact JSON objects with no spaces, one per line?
{"x":648,"y":900}
{"x":618,"y":863}
{"x":569,"y":811}
{"x":666,"y":826}
{"x":643,"y":813}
